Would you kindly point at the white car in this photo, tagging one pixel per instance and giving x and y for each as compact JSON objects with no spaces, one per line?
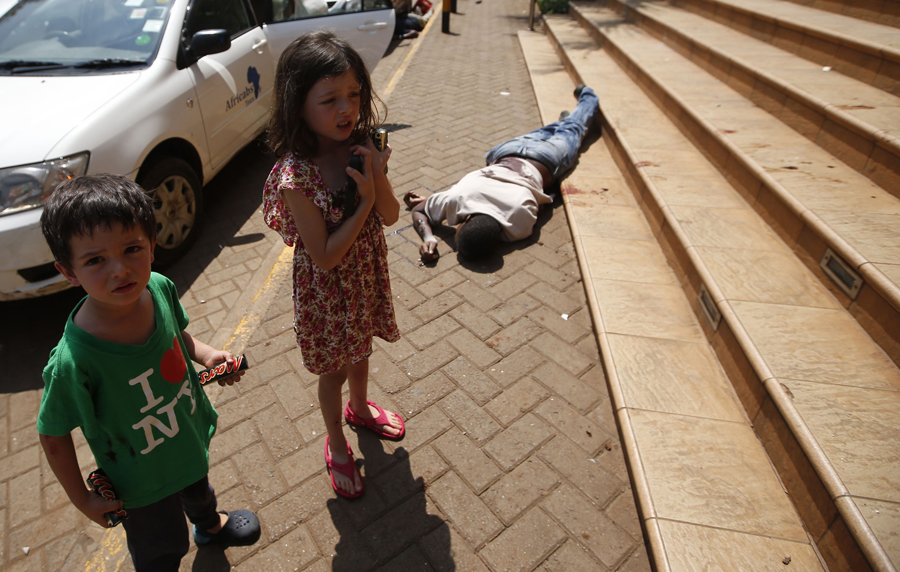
{"x":163,"y":91}
{"x":6,"y":5}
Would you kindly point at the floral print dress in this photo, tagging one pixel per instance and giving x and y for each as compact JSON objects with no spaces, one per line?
{"x":337,"y":311}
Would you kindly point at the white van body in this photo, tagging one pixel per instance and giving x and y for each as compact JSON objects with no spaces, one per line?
{"x":168,"y":125}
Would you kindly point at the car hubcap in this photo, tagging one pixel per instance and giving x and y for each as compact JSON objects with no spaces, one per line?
{"x":175,"y":207}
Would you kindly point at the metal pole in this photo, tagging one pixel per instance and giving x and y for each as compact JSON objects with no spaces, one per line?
{"x":445,"y":16}
{"x":531,"y":16}
{"x":453,"y":6}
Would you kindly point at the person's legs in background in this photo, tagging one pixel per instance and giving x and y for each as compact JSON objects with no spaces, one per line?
{"x":406,"y":27}
{"x":555,"y":145}
{"x":569,"y":133}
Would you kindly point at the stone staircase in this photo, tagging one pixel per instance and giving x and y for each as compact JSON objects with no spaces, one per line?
{"x":738,"y":229}
{"x":880,"y":11}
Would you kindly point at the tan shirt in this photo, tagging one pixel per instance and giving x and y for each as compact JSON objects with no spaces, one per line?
{"x":510,"y":191}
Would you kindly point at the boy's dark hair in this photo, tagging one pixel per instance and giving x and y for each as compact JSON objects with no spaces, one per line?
{"x":80,"y":205}
{"x":305,"y":61}
{"x":478,"y":237}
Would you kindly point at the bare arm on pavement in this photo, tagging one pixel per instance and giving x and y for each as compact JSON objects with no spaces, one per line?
{"x":428,"y":249}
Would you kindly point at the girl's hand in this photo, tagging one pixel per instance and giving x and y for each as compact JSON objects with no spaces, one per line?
{"x":386,"y":203}
{"x":379,"y":158}
{"x":216,"y":357}
{"x":365,"y":182}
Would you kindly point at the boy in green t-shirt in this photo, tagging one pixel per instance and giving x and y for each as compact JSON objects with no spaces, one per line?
{"x":120,"y":374}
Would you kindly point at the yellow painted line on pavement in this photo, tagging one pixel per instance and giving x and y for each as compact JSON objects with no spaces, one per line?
{"x":412,"y":51}
{"x":252,"y":319}
{"x":111,"y":553}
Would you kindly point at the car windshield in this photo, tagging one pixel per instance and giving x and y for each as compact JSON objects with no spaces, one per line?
{"x":80,"y":36}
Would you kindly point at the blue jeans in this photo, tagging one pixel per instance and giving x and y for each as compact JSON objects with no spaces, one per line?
{"x":555,"y":145}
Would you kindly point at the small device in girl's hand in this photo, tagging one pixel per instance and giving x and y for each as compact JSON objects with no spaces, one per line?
{"x":351,"y":193}
{"x":224,"y":369}
{"x":380,"y":139}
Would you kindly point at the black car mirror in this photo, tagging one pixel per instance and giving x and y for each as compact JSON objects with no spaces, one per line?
{"x":206,"y":42}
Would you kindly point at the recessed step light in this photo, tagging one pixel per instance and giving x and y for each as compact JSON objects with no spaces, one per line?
{"x":839,"y":271}
{"x":709,"y":307}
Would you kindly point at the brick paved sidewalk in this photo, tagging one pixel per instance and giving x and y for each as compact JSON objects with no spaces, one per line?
{"x":512,"y":459}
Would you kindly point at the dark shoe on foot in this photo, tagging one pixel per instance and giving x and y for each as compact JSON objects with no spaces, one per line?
{"x":563,"y":115}
{"x":579,"y":89}
{"x":242,"y":529}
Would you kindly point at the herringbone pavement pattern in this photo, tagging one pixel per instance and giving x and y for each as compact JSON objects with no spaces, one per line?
{"x":511,"y":458}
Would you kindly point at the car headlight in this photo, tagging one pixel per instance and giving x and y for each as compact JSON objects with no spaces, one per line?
{"x":28,"y":186}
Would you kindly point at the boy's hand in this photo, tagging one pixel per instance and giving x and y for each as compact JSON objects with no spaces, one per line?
{"x":94,"y":507}
{"x":216,"y":357}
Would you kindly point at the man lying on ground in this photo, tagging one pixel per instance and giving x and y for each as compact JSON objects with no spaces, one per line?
{"x":501,"y":201}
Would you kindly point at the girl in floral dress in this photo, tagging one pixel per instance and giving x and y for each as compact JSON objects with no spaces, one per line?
{"x":324,"y":109}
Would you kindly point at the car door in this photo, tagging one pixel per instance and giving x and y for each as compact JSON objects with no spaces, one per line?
{"x":234,"y":88}
{"x":366,"y":24}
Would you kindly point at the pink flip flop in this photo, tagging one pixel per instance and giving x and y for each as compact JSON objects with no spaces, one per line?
{"x":347,"y":469}
{"x":371,"y":424}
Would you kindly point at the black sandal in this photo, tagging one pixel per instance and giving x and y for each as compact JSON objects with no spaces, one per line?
{"x":241,"y":529}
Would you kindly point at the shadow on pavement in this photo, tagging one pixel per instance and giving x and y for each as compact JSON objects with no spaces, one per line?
{"x":394,"y":127}
{"x":210,"y":559}
{"x":31,"y":329}
{"x":401,"y":539}
{"x":229,"y":200}
{"x":395,"y":41}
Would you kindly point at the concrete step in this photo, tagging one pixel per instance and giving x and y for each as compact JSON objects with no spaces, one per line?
{"x":886,"y":12}
{"x":825,"y":107}
{"x":706,"y":492}
{"x":822,"y":397}
{"x":864,"y":50}
{"x":811,"y":198}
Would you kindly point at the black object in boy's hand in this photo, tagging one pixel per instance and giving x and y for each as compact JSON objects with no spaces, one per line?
{"x":224,"y":369}
{"x":99,"y":483}
{"x":351,"y":193}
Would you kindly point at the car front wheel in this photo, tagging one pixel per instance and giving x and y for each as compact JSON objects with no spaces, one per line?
{"x":177,"y":201}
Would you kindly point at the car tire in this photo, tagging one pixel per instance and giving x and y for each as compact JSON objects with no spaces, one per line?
{"x":178,"y":202}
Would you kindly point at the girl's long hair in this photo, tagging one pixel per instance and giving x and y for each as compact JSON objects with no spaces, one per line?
{"x":308,"y":59}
